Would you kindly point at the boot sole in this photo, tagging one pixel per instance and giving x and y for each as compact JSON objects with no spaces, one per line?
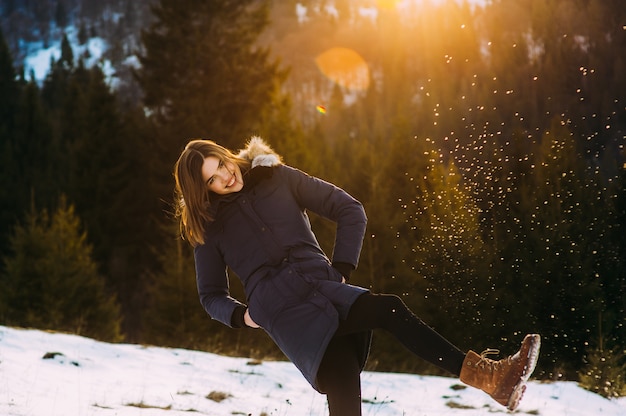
{"x":520,"y":387}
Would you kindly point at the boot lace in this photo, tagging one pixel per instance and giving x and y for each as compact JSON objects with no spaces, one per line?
{"x":488,"y":362}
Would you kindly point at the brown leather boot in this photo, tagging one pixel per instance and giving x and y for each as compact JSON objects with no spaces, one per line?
{"x":504,"y":380}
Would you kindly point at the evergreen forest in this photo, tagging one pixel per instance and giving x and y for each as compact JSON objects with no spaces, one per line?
{"x":485,"y":140}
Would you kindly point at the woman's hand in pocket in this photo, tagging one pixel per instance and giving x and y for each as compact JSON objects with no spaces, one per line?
{"x":249,"y":321}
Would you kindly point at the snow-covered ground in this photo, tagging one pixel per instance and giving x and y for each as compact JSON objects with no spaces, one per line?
{"x":87,"y":377}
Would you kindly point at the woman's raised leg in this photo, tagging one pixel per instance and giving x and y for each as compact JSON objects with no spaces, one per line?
{"x":390,"y":313}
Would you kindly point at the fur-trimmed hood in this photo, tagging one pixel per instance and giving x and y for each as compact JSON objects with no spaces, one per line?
{"x":260,"y":153}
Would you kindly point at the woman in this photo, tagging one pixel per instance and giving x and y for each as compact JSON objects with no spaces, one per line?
{"x":248,"y":212}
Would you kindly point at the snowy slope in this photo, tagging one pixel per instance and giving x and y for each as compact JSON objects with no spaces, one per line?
{"x":38,"y":61}
{"x":93,"y":53}
{"x":86,"y":377}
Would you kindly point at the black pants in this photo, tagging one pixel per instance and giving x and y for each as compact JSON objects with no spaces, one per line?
{"x":339,"y":373}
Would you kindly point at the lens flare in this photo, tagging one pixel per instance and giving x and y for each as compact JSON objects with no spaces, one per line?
{"x":345,"y":67}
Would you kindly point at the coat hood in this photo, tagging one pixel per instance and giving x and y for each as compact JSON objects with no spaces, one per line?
{"x":260,"y":153}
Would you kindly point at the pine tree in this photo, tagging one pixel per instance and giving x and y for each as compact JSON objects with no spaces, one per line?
{"x":67,"y":53}
{"x":8,"y":85}
{"x":174,"y":315}
{"x":9,"y":90}
{"x":52,"y":282}
{"x":437,"y":234}
{"x":203,"y":75}
{"x":60,"y":14}
{"x":604,"y":372}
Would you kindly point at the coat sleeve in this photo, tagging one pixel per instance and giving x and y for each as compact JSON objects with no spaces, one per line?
{"x":335,"y":204}
{"x":213,"y":287}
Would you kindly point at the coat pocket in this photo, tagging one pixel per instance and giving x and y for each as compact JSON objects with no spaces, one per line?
{"x":315,"y":269}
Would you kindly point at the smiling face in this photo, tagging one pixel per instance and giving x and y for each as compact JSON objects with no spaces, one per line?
{"x":221,"y":177}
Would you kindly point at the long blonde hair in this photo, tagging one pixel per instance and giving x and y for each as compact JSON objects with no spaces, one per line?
{"x":192,"y":196}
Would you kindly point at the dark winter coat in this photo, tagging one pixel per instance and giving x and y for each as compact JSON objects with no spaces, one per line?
{"x":263,"y":234}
